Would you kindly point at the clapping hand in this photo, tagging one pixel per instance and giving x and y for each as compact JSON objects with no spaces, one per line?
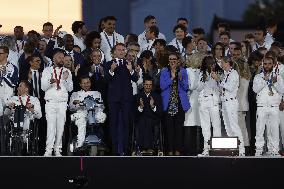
{"x":137,"y":69}
{"x":113,"y":67}
{"x":129,"y":66}
{"x":30,"y":107}
{"x":215,"y":76}
{"x":152,"y":102}
{"x":141,"y":103}
{"x":65,"y":75}
{"x":12,"y":106}
{"x":274,"y":79}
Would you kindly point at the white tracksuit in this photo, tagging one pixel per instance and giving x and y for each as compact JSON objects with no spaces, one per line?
{"x":230,"y":106}
{"x":29,"y":116}
{"x":80,"y":117}
{"x":267,"y":113}
{"x":280,"y":71}
{"x":192,"y":115}
{"x":9,"y":81}
{"x":281,"y":116}
{"x":56,"y":106}
{"x":209,"y":110}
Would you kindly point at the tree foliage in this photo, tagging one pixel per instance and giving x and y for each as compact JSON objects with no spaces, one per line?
{"x":261,"y":10}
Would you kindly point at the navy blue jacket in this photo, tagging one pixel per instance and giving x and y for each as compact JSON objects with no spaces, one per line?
{"x":119,"y":85}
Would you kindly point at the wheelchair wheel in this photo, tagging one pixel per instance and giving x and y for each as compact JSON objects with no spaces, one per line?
{"x":33,"y":139}
{"x":7,"y":138}
{"x":16,"y":145}
{"x":13,"y":140}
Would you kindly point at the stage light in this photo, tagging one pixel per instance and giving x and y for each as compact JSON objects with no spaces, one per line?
{"x":224,"y":146}
{"x":79,"y":181}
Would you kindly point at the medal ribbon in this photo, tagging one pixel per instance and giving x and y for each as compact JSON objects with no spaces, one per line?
{"x":55,"y":75}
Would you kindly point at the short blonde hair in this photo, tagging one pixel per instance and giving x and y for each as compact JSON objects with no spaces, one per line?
{"x":195,"y":60}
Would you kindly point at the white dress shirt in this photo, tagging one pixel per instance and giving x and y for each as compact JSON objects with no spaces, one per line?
{"x":80,"y":42}
{"x":108,"y":42}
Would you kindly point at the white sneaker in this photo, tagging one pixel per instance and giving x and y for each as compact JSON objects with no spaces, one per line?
{"x":48,"y":153}
{"x":274,"y":154}
{"x":57,"y":153}
{"x":242,"y":154}
{"x":258,"y":153}
{"x":204,"y":153}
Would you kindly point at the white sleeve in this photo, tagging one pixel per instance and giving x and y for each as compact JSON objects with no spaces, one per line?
{"x":98,"y":95}
{"x":45,"y":79}
{"x":279,"y":85}
{"x":140,"y":79}
{"x":200,"y":85}
{"x":72,"y":98}
{"x":140,"y":109}
{"x":111,"y":73}
{"x":69,"y":82}
{"x":191,"y":79}
{"x":258,"y":83}
{"x":232,"y":82}
{"x":37,"y":109}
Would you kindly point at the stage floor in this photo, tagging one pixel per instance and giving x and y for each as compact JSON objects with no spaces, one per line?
{"x":142,"y":172}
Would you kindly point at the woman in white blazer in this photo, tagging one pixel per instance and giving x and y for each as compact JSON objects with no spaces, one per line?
{"x":242,"y":97}
{"x":192,"y":119}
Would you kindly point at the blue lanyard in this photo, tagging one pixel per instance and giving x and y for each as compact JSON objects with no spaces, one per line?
{"x":109,"y":41}
{"x":269,"y":82}
{"x":179,"y":48}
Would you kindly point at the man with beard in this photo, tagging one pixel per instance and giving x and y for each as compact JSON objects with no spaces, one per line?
{"x":110,"y":37}
{"x":269,"y":88}
{"x":56,"y":81}
{"x":80,"y":31}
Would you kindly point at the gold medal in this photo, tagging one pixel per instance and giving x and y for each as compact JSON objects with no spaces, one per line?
{"x":270,"y":93}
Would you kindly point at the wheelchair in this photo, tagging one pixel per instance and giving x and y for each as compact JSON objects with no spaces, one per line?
{"x":93,"y":144}
{"x":19,"y":141}
{"x":158,"y":142}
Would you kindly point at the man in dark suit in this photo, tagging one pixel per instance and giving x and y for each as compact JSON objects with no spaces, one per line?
{"x":34,"y":77}
{"x":148,"y":114}
{"x":95,"y":70}
{"x":119,"y":74}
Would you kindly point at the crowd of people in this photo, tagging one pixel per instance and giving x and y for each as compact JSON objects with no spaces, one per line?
{"x":189,"y":89}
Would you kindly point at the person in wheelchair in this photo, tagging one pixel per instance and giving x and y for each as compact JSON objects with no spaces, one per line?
{"x":148,"y":115}
{"x":88,"y":107}
{"x":23,"y":108}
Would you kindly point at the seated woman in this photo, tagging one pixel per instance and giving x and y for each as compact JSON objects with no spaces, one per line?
{"x":174,"y":86}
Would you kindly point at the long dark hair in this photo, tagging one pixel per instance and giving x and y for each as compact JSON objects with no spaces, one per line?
{"x":214,"y":48}
{"x":207,"y":65}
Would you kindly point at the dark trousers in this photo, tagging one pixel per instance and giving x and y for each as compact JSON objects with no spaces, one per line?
{"x":145,"y":133}
{"x":252,"y":112}
{"x":42,"y":127}
{"x":2,"y":136}
{"x":174,"y":131}
{"x":193,"y":140}
{"x":119,"y":113}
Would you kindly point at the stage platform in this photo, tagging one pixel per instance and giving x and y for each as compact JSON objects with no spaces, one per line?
{"x":142,"y":172}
